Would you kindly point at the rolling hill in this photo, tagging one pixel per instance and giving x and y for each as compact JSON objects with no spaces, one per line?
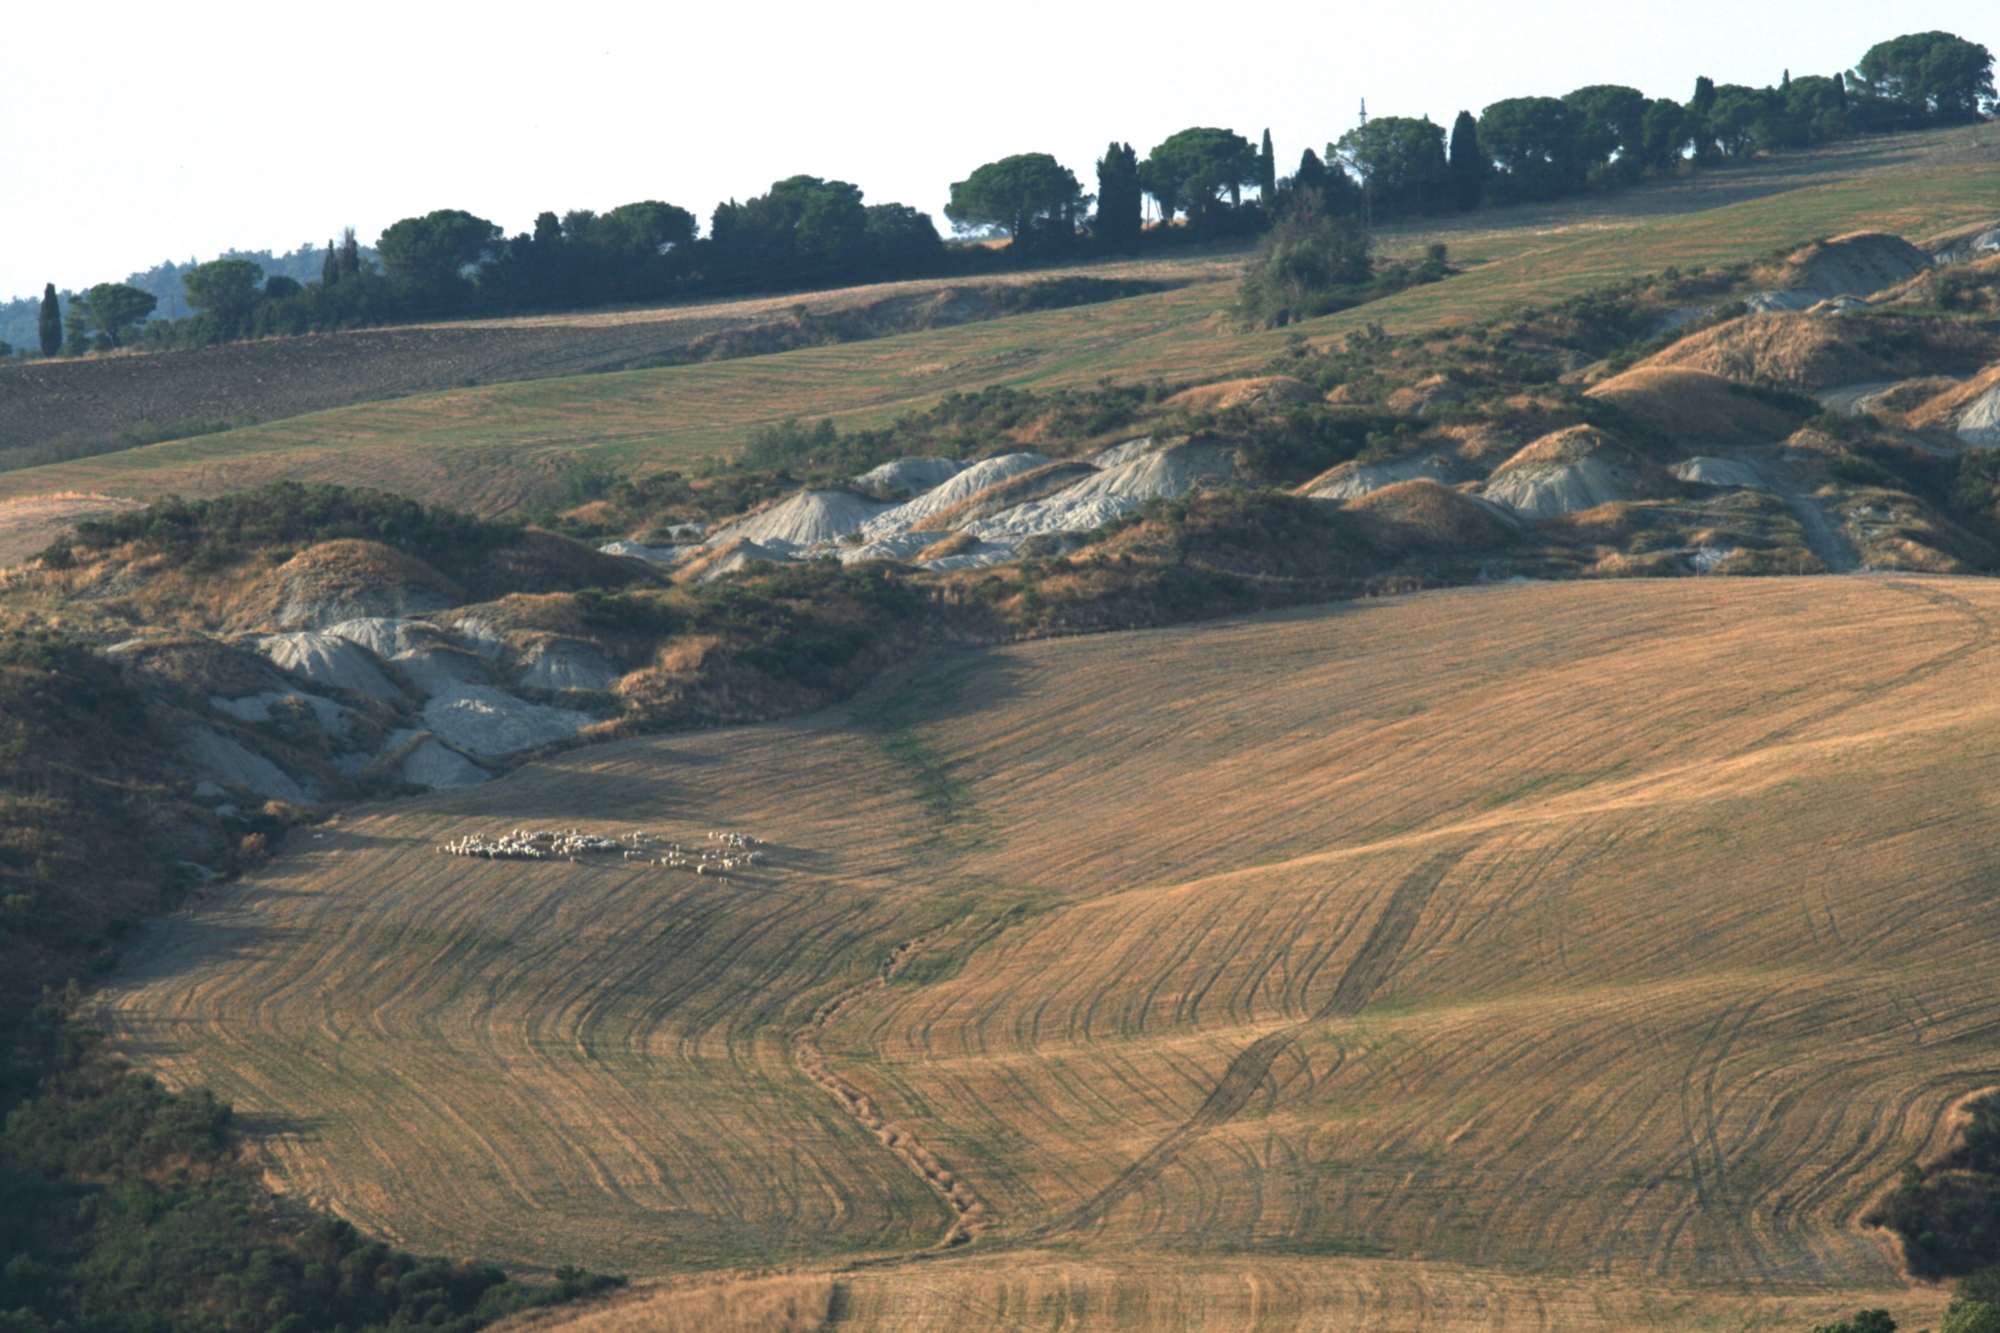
{"x":1579,"y":955}
{"x":493,"y":448}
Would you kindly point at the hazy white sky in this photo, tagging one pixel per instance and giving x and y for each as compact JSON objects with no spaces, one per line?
{"x":133,"y":131}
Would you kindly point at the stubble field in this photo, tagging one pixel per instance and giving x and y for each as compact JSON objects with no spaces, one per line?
{"x":1578,"y":955}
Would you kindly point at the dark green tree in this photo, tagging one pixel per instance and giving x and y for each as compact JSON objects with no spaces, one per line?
{"x":426,"y":256}
{"x":803,"y":231}
{"x":227,"y":290}
{"x":113,"y":311}
{"x":50,"y":326}
{"x":1696,"y":124}
{"x":648,"y":228}
{"x":1401,"y":165}
{"x":1663,"y":135}
{"x":1743,"y":120}
{"x":1032,"y":197}
{"x":1532,"y":141}
{"x":903,"y":240}
{"x":329,"y":268}
{"x":1311,"y":177}
{"x":1119,"y":193}
{"x":1306,"y":265}
{"x":1815,"y":109}
{"x":1197,"y":170}
{"x":1608,"y":129}
{"x":1267,"y":172}
{"x":1468,"y":162}
{"x":1937,"y":77}
{"x":350,"y":254}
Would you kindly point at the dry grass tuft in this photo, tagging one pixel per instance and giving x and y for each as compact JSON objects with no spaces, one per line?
{"x":338,"y":580}
{"x":1941,"y":411}
{"x":1807,"y":352}
{"x":1694,"y":407}
{"x":1264,"y":391}
{"x":1427,"y":514}
{"x":1860,"y":263}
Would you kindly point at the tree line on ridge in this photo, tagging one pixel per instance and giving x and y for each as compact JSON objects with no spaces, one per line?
{"x":1203,"y":184}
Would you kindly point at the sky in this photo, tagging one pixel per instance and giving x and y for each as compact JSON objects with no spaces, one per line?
{"x":136,"y":132}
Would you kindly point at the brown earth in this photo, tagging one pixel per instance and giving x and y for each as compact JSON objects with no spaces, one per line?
{"x":51,"y":411}
{"x":1694,"y":407}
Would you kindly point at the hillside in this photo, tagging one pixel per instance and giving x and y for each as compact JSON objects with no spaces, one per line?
{"x":497,"y":447}
{"x":72,"y":408}
{"x":1599,"y":949}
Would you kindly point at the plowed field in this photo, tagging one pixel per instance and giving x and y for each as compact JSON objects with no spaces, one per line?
{"x":1577,"y":955}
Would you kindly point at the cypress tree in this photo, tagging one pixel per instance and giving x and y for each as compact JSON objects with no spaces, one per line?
{"x":1118,"y":196}
{"x":1311,"y":176}
{"x":350,"y":254}
{"x":51,"y":325}
{"x":1705,"y":146}
{"x":1267,"y":172}
{"x":1468,"y":164}
{"x":329,"y":268}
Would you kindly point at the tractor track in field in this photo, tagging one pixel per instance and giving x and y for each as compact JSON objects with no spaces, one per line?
{"x":1247,"y":1072}
{"x":970,"y":1214}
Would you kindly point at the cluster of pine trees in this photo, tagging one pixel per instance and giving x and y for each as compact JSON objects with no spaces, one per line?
{"x":1203,"y":184}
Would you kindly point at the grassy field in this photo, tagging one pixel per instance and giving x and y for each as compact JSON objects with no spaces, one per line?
{"x":1576,"y":955}
{"x":496,"y":447}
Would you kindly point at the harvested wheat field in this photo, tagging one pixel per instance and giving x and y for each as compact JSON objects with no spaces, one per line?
{"x":1579,"y":955}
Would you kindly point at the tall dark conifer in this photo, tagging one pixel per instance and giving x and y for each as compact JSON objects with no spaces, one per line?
{"x":350,"y":254}
{"x":50,"y":326}
{"x":1267,"y":172}
{"x":329,"y":268}
{"x":1311,"y":175}
{"x":1118,"y":196}
{"x":1468,"y":163}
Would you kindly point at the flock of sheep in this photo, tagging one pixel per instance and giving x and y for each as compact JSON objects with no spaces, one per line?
{"x":735,"y":850}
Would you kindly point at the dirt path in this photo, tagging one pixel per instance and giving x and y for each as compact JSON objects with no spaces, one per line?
{"x":970,"y":1214}
{"x":1822,"y":533}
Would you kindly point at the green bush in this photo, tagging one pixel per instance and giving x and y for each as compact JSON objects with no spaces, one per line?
{"x":285,"y":514}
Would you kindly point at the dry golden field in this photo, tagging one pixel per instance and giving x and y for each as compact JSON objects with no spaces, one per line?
{"x":1578,"y":955}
